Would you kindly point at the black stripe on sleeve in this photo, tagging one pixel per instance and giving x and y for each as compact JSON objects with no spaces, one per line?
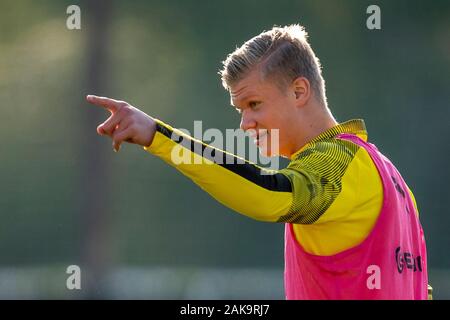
{"x":237,"y":165}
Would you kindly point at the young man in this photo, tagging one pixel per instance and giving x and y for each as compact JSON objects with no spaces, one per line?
{"x":351,"y":223}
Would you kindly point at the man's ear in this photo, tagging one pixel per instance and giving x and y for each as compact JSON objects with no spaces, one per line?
{"x":302,"y":90}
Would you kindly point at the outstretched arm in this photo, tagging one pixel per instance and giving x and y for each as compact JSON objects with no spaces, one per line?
{"x":300,"y":193}
{"x":238,"y":184}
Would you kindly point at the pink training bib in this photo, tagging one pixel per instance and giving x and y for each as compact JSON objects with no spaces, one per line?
{"x":391,"y":263}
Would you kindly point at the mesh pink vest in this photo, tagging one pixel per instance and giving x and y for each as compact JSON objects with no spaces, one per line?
{"x":391,"y":263}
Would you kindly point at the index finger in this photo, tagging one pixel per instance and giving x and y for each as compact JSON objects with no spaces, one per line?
{"x":108,"y":103}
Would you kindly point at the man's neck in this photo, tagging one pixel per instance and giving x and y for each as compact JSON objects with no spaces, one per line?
{"x":314,"y":129}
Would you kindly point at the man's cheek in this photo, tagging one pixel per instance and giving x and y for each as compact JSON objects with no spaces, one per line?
{"x":263,"y":150}
{"x":265,"y":146}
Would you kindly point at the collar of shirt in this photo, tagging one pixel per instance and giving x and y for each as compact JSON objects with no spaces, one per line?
{"x":354,"y":126}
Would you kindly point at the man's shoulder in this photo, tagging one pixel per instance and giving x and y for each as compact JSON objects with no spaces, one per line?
{"x":325,"y":151}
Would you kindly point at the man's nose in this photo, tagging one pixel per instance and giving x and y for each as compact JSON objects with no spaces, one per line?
{"x":247,"y":122}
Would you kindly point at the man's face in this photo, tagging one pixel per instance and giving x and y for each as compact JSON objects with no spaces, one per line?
{"x":263,"y":107}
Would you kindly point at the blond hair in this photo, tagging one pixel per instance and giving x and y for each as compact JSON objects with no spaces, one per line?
{"x":282,"y":54}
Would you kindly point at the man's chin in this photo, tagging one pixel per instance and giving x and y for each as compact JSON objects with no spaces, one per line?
{"x":266,"y":152}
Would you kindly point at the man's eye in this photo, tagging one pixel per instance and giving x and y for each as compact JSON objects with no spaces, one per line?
{"x":253,"y":104}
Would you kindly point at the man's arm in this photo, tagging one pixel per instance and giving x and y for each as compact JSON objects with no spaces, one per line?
{"x":240,"y":186}
{"x":233,"y":181}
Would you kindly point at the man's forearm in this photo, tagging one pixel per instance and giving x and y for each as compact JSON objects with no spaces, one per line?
{"x":233,"y":181}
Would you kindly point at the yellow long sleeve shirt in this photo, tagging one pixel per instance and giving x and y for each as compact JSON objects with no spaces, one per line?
{"x":331,"y":190}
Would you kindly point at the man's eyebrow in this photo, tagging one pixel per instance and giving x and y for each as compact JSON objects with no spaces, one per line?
{"x":246,"y":98}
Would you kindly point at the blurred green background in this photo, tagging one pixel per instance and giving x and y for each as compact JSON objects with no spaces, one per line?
{"x":135,"y":226}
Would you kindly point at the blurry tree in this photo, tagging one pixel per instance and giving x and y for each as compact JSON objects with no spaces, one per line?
{"x":94,"y":173}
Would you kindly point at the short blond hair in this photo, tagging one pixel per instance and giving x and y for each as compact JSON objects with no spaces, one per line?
{"x":282,"y":53}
